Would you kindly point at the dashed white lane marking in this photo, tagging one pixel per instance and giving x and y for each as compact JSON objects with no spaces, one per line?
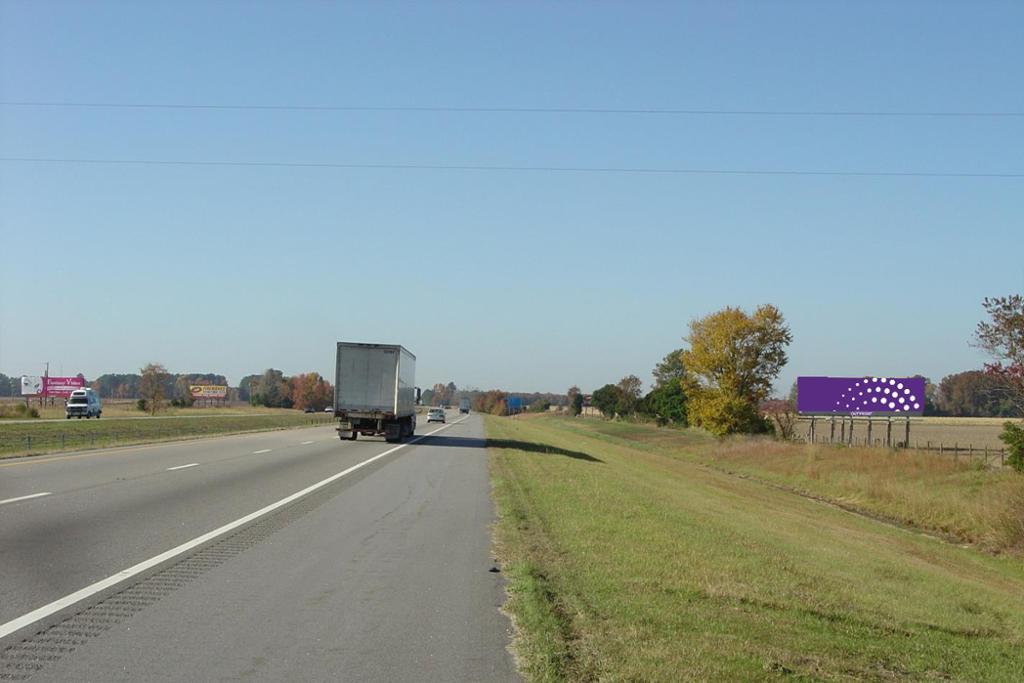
{"x":68,"y":600}
{"x":181,"y":467}
{"x":306,"y":443}
{"x":34,"y":495}
{"x":262,"y":450}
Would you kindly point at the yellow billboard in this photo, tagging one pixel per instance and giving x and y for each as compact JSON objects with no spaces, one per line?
{"x":199,"y":391}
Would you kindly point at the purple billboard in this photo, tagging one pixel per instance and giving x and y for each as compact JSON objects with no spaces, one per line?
{"x":860,"y":395}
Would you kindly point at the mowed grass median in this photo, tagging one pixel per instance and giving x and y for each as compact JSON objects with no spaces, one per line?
{"x":630,"y":562}
{"x":31,"y":438}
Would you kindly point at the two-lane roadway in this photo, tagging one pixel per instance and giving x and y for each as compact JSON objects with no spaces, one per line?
{"x":285,"y":555}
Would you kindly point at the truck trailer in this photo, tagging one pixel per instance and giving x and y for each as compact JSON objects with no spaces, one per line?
{"x":374,"y":391}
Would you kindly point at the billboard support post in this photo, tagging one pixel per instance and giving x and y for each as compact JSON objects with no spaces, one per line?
{"x":888,"y":433}
{"x":869,"y":432}
{"x":832,"y":429}
{"x":906,"y":435}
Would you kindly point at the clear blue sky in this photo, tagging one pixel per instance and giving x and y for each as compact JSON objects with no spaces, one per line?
{"x":518,"y":280}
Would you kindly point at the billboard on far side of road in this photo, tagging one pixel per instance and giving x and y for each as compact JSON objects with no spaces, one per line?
{"x":62,"y":386}
{"x":50,"y":386}
{"x":31,"y":385}
{"x":200,"y":391}
{"x":858,"y":396}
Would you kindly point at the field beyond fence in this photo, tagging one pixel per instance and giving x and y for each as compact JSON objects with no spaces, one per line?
{"x":972,"y":437}
{"x":34,"y":437}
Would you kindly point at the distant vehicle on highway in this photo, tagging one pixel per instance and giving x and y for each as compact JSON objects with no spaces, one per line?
{"x":435,"y":415}
{"x":328,"y":409}
{"x":309,"y":409}
{"x":83,"y":403}
{"x":464,"y":406}
{"x":374,"y":391}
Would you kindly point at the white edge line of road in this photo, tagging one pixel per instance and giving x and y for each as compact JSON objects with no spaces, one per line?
{"x":262,"y":450}
{"x":79,"y":595}
{"x":34,"y":495}
{"x":181,"y":467}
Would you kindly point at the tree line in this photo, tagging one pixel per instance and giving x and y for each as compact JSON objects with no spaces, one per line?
{"x":722,"y":380}
{"x":154,"y":387}
{"x":273,"y":389}
{"x":718,"y":382}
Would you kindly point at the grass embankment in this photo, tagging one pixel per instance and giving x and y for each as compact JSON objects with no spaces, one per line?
{"x":957,"y":498}
{"x":46,"y":437}
{"x":629,"y":562}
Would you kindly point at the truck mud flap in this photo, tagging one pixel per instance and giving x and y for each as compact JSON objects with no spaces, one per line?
{"x":393,"y":432}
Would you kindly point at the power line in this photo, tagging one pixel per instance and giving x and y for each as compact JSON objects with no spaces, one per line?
{"x":520,"y":110}
{"x":530,"y":169}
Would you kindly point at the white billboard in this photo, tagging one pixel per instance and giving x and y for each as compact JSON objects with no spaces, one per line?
{"x":31,"y":386}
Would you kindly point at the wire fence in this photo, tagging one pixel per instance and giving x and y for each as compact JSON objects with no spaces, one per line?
{"x":974,"y":440}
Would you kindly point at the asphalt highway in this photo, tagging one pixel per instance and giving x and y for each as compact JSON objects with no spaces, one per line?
{"x":286,"y":555}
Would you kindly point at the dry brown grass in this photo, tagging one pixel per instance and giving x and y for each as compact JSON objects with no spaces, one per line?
{"x":958,"y":498}
{"x":950,"y":432}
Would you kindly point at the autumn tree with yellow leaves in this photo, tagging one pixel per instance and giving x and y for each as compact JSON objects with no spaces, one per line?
{"x":730,"y":365}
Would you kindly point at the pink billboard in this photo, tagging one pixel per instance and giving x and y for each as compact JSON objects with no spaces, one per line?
{"x":62,"y":386}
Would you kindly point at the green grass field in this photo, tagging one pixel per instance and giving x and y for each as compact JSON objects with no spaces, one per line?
{"x":24,"y":438}
{"x":127,"y":408}
{"x":631,"y":559}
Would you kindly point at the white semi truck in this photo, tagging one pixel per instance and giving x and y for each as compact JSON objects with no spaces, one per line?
{"x":374,"y":391}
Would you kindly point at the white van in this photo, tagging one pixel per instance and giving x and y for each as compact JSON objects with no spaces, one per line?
{"x":83,"y":403}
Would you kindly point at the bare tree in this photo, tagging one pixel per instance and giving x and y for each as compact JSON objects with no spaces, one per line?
{"x":629,"y":388}
{"x":783,"y":416}
{"x":151,"y":386}
{"x":1002,"y":338}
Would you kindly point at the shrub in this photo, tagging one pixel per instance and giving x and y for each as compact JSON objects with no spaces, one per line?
{"x":141,"y":405}
{"x":722,"y":414}
{"x":666,"y":404}
{"x":18,"y":410}
{"x":1013,"y":437}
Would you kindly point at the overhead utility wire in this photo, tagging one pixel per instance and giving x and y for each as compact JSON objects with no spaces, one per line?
{"x":519,"y":110}
{"x":550,"y":169}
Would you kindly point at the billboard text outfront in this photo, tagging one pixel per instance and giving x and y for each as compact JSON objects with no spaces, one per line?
{"x":860,"y":395}
{"x":200,"y":391}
